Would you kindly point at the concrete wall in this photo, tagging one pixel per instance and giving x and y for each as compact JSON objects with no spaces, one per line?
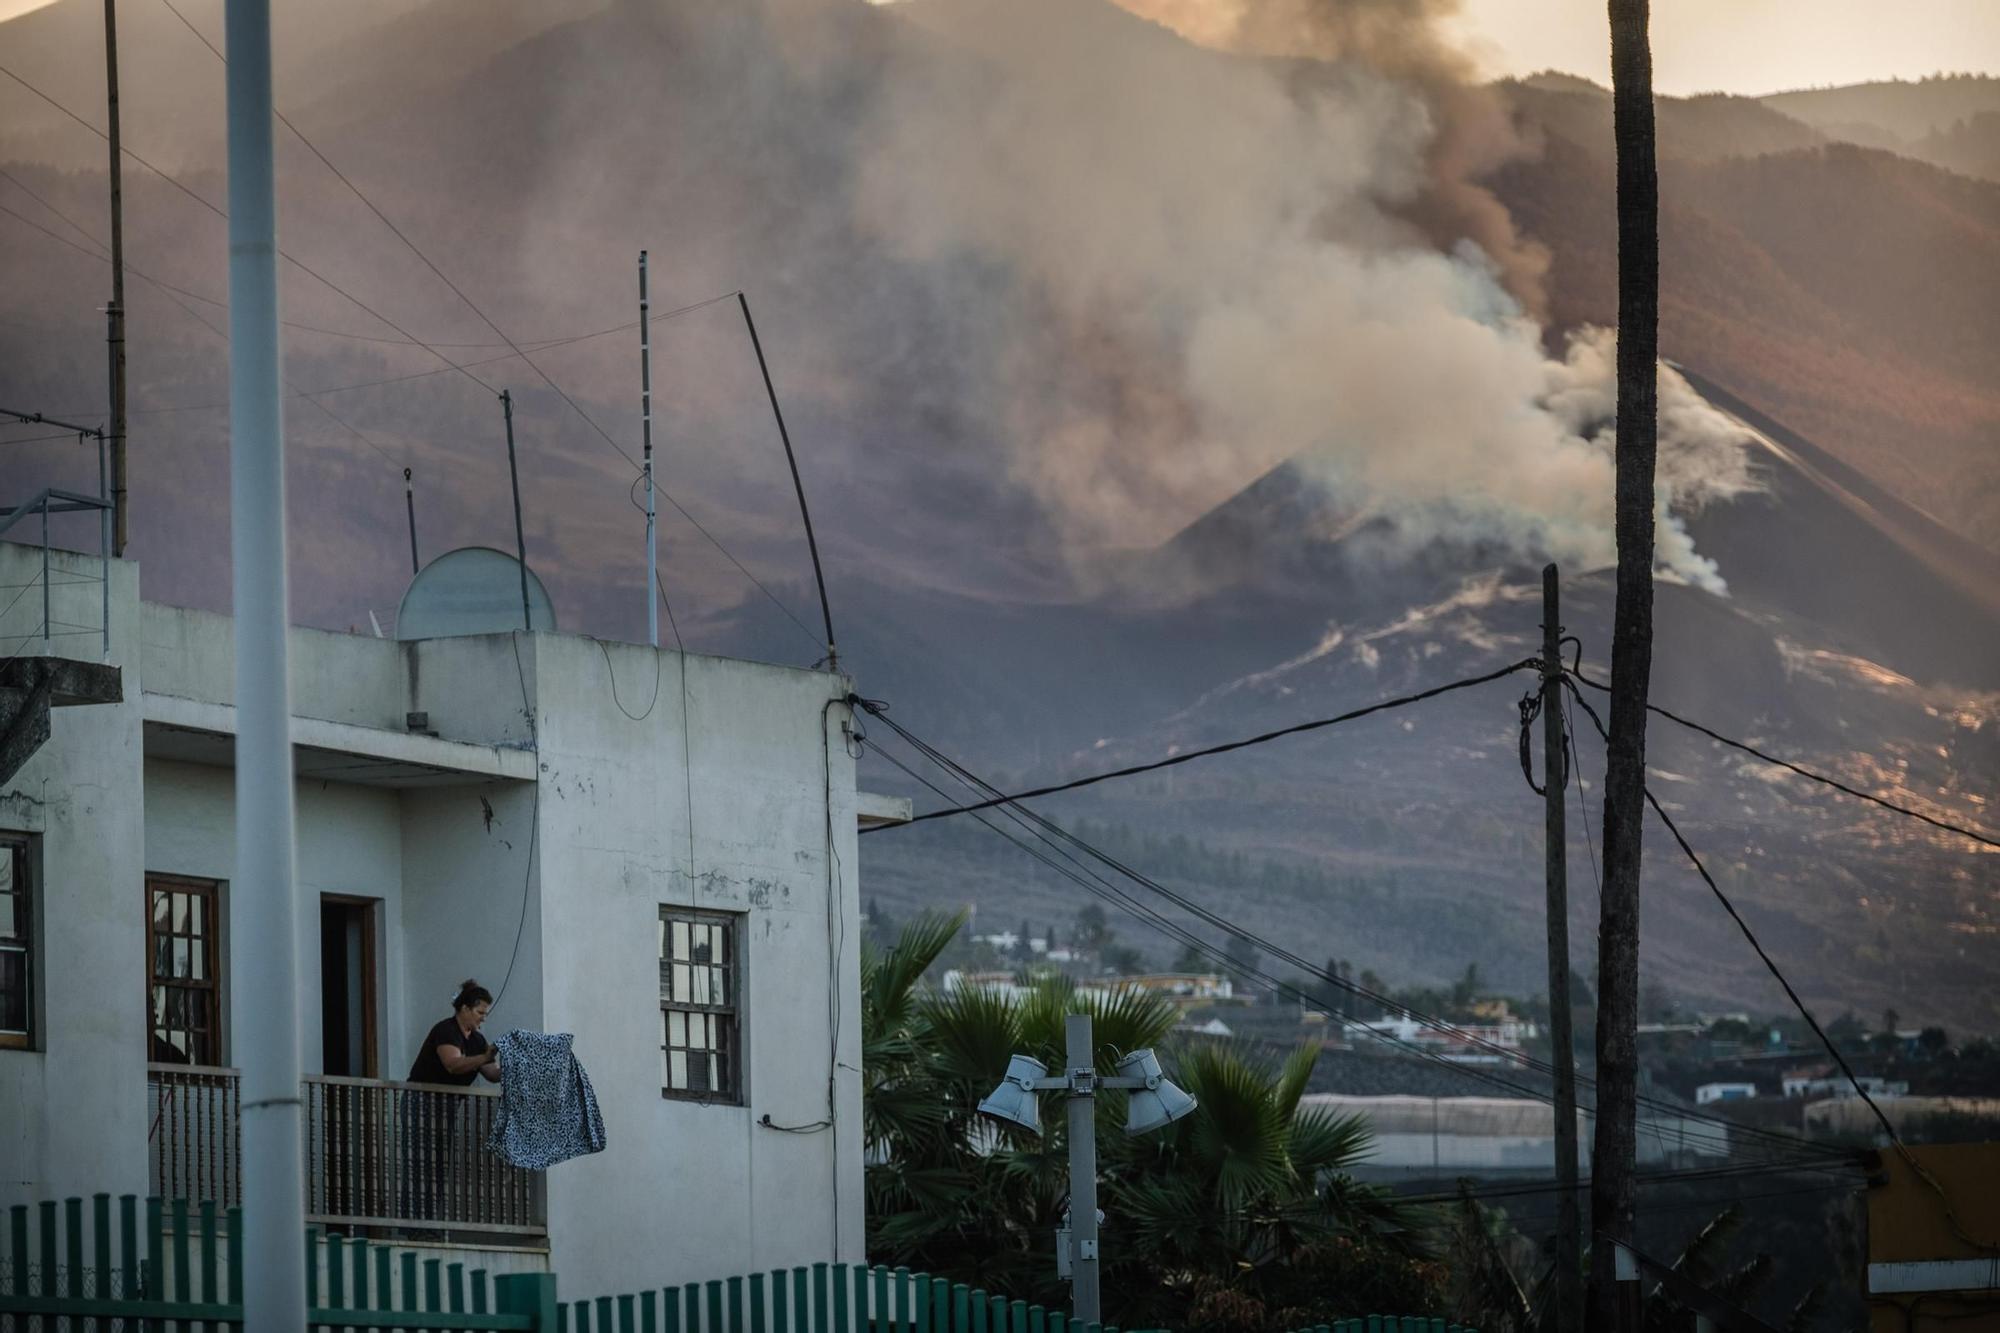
{"x":721,"y":1192}
{"x":350,"y":842}
{"x":469,"y":890}
{"x":79,"y":793}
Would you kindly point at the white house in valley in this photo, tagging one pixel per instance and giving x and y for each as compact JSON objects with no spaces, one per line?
{"x":655,"y":852}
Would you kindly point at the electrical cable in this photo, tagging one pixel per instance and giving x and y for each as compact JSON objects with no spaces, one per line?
{"x":1228,"y":927}
{"x":612,"y":672}
{"x":1799,"y":769}
{"x":1136,"y":769}
{"x":462,"y":368}
{"x":1110,"y":893}
{"x":534,"y":818}
{"x":1951,"y":1216}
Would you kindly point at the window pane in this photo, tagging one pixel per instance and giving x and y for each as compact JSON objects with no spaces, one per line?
{"x":677,"y":1069}
{"x":180,"y":912}
{"x":681,"y":987}
{"x":198,"y":962}
{"x":9,"y":927}
{"x":701,"y":988}
{"x":159,"y":1005}
{"x":680,"y":939}
{"x":160,"y":908}
{"x":677,"y":1031}
{"x":13,"y":990}
{"x":195,"y":905}
{"x":162,"y":954}
{"x":180,"y":956}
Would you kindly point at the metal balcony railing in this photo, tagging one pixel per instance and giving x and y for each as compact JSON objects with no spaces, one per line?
{"x":378,"y":1154}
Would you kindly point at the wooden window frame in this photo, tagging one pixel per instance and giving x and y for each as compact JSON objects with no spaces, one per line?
{"x":214,"y":987}
{"x":727,"y":1014}
{"x":23,"y":849}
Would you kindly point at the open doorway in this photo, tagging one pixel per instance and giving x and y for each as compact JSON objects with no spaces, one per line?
{"x":347,"y":985}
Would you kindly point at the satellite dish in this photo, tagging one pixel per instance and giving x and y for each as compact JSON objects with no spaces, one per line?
{"x":473,"y":590}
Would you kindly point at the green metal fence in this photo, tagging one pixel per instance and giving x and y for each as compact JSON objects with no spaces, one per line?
{"x":146,"y":1264}
{"x":825,"y":1298}
{"x":838,"y":1298}
{"x":165,"y":1267}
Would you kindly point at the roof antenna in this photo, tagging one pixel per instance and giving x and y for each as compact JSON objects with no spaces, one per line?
{"x":410,"y":507}
{"x":520,"y":541}
{"x":832,"y":654}
{"x":646,"y":430}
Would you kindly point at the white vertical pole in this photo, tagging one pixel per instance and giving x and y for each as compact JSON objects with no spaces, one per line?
{"x":646,"y":429}
{"x":267,"y":1029}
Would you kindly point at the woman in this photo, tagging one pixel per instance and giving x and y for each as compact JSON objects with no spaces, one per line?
{"x":453,"y":1053}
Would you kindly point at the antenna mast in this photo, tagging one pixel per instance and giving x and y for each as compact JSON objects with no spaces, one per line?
{"x":114,"y":314}
{"x":520,"y":541}
{"x":646,"y":430}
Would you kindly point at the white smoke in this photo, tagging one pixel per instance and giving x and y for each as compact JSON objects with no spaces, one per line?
{"x":1212,"y":272}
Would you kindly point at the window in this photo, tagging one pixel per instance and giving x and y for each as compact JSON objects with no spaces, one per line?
{"x":17,"y":945}
{"x":701,"y":978}
{"x":185,"y":993}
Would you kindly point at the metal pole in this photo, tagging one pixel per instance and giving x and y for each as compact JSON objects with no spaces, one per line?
{"x":268,"y":1030}
{"x":410,"y":507}
{"x":114,"y":314}
{"x":1082,"y":1073}
{"x":104,"y":547}
{"x":646,"y":432}
{"x":520,"y":541}
{"x":47,"y":611}
{"x":1562,"y":1051}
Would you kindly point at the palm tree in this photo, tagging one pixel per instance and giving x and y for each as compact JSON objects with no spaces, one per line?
{"x":1249,"y":1194}
{"x":1613,"y":1152}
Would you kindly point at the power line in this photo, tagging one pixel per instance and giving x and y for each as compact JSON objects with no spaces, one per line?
{"x":1051,"y":831}
{"x":1802,"y":771}
{"x":1136,"y":769}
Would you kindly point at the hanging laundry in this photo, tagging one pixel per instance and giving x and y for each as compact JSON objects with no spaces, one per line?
{"x":547,"y":1113}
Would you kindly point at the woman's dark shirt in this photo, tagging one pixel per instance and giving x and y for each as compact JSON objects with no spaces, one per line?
{"x":429,"y":1069}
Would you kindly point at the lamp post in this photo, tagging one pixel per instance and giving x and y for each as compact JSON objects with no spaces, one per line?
{"x":1156,"y":1102}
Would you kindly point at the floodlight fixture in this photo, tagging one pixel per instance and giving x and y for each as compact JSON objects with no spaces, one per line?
{"x":1014,"y":1102}
{"x":1156,"y":1100}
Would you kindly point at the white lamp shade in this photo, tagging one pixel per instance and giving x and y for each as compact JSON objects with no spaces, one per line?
{"x":1014,"y":1100}
{"x":1159,"y":1102}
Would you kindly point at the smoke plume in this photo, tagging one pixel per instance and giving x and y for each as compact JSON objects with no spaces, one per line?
{"x":1226,"y":254}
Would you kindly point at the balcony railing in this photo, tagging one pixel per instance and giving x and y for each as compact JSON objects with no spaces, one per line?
{"x":381,"y":1155}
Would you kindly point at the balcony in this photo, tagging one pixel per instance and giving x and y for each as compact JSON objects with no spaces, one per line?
{"x":380,"y":1157}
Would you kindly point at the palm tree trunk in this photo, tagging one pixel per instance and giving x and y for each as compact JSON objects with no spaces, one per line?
{"x":1614,"y":1148}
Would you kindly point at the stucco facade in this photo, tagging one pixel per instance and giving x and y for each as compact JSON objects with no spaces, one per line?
{"x":559,"y":794}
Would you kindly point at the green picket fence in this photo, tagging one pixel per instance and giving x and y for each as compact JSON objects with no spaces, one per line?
{"x":173,"y":1269}
{"x":1389,"y":1323}
{"x":837,"y":1298}
{"x":825,"y":1298}
{"x":169,"y":1268}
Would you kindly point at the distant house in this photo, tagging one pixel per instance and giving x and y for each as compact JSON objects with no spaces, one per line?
{"x":1724,"y":1092}
{"x":1462,"y":1043}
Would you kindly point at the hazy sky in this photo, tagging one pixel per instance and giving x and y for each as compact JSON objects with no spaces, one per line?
{"x":1745,"y":46}
{"x":1738,"y":46}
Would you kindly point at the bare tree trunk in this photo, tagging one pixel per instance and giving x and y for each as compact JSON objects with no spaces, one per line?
{"x":1615,"y":1147}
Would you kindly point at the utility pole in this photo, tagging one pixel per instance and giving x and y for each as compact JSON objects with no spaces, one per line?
{"x":646,"y":431}
{"x":263,"y":905}
{"x":1562,"y":1047}
{"x":114,"y":314}
{"x":1081,"y":1057}
{"x":1614,"y":1147}
{"x":520,"y":539}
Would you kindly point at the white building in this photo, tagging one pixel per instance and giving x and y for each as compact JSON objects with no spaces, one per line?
{"x":1724,"y":1092}
{"x":1439,"y":1138}
{"x":677,"y":889}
